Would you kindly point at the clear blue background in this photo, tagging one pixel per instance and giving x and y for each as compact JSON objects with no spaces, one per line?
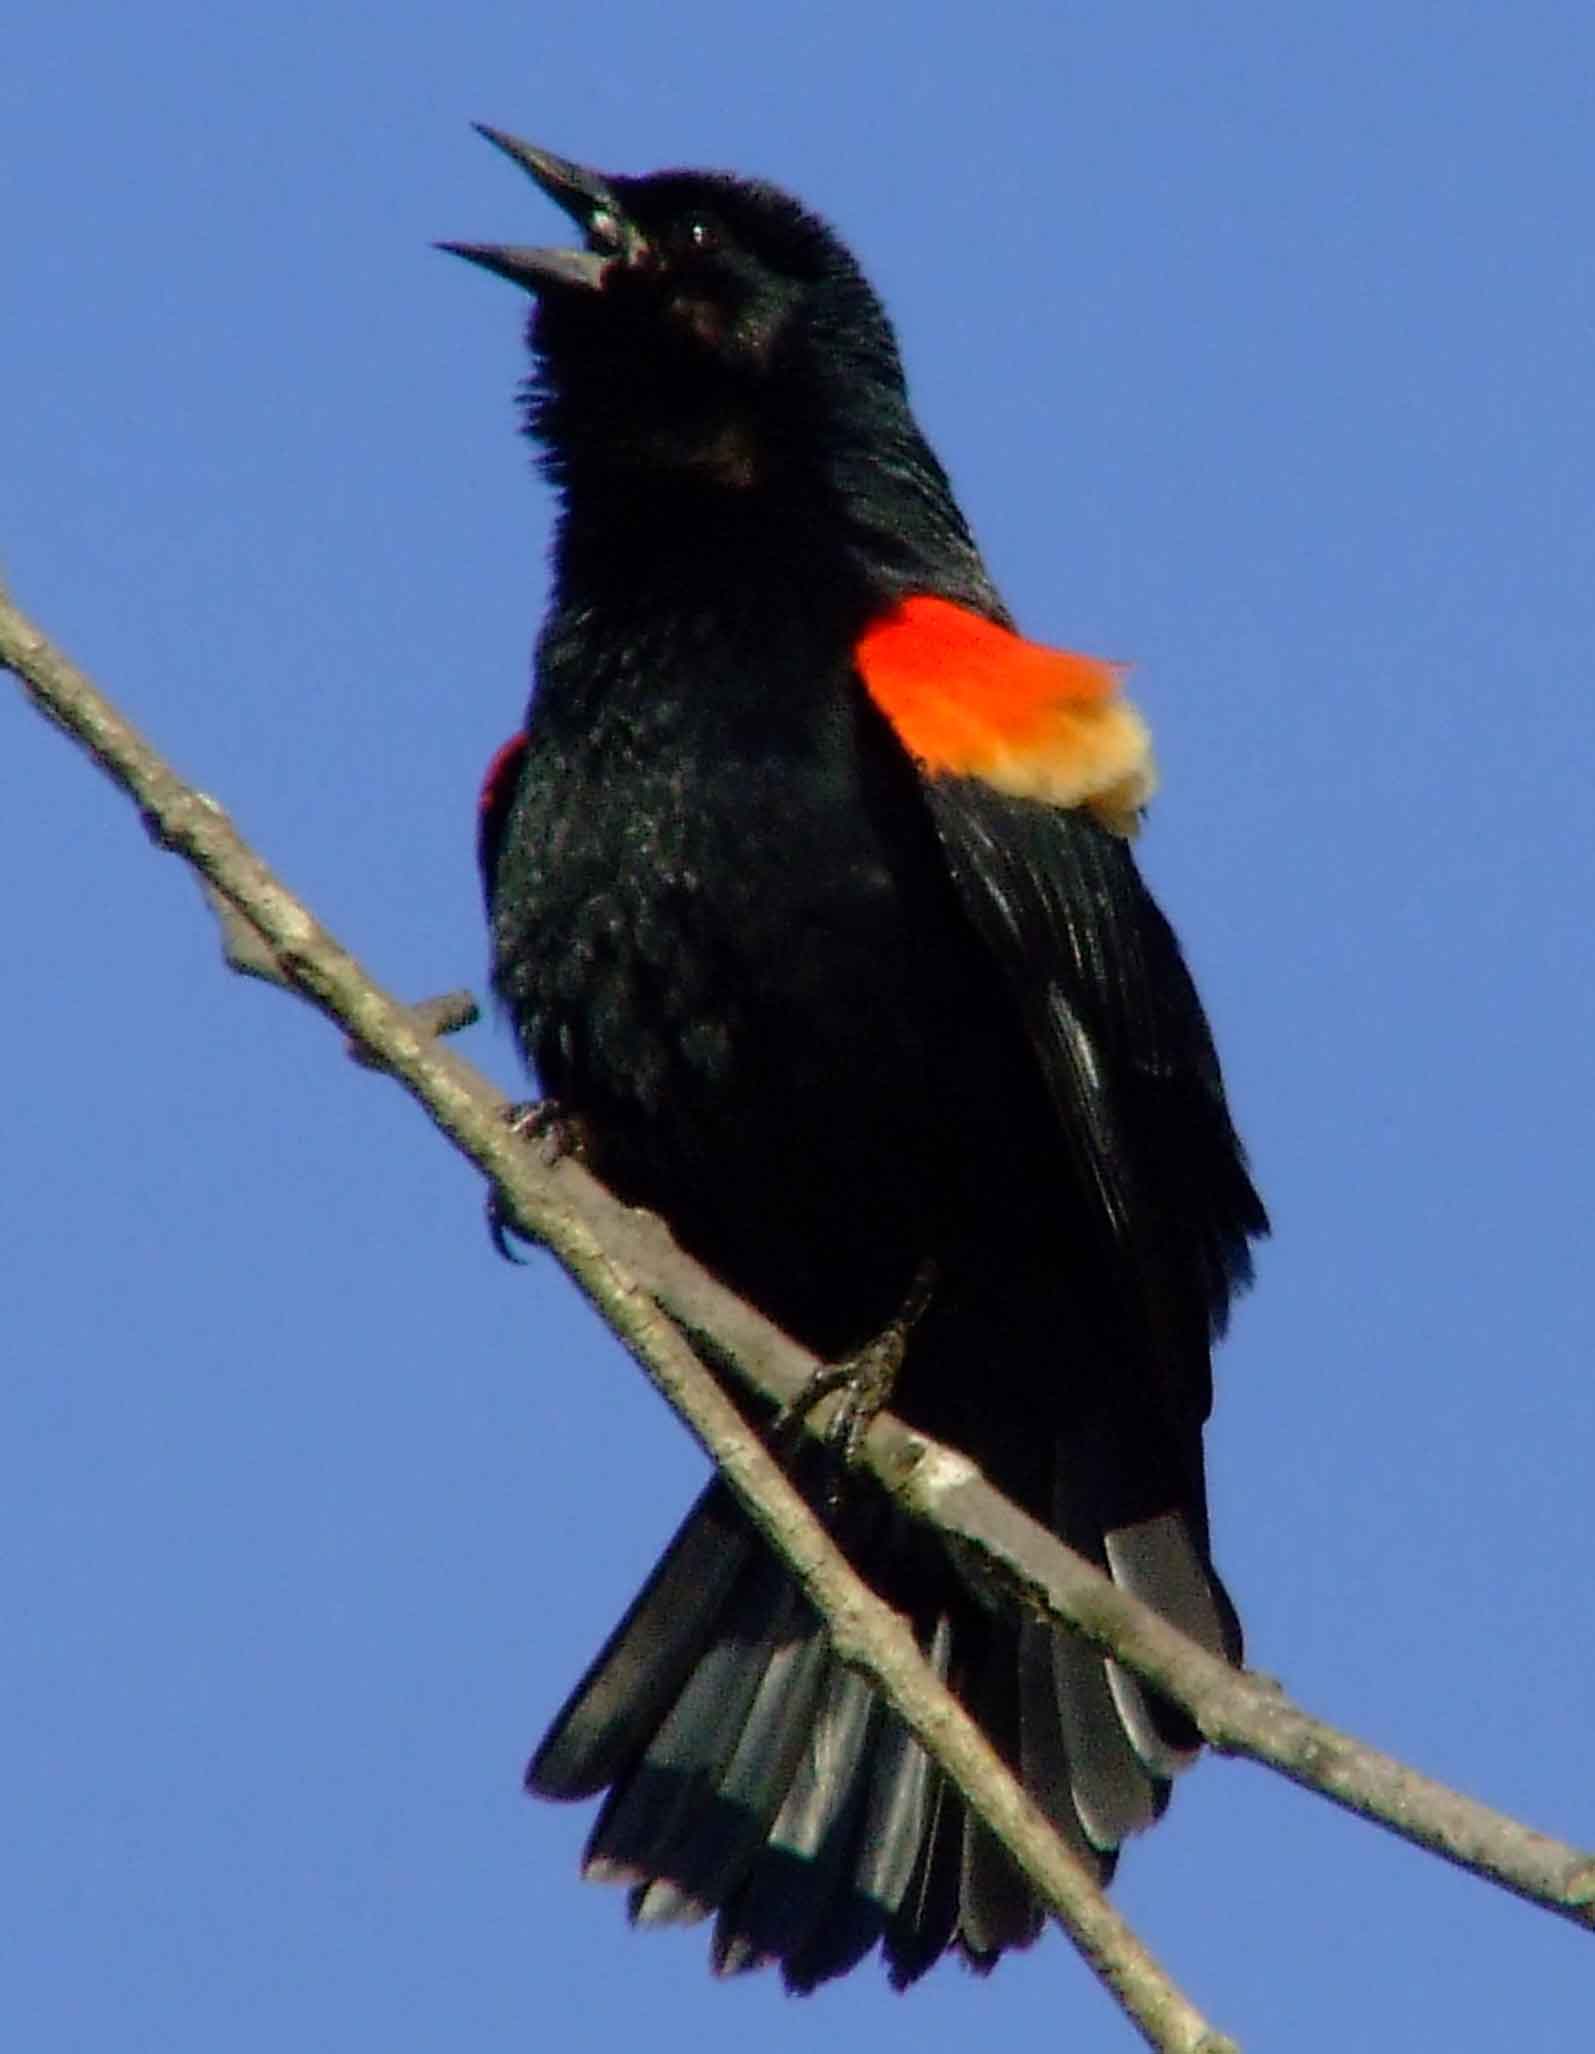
{"x":1258,"y":341}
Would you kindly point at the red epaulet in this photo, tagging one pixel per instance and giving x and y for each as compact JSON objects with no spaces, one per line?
{"x":968,"y":698}
{"x":492,"y":807}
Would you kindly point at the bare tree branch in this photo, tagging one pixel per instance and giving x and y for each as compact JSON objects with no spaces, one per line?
{"x":650,"y":1292}
{"x":293,"y":948}
{"x":246,"y":950}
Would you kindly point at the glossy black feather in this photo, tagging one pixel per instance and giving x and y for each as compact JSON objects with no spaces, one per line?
{"x":1116,"y":1021}
{"x":833,"y":1019}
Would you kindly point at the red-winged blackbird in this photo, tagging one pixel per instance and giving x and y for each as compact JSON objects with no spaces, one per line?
{"x":813,"y":903}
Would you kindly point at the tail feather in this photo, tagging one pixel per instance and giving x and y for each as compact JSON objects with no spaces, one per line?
{"x":783,"y":1898}
{"x":887,"y":1840}
{"x":1113,"y":1792}
{"x":1043,"y":1752}
{"x":900,"y":1797}
{"x":923,"y":1927}
{"x":726,"y":1828}
{"x":650,"y":1811}
{"x":997,"y":1909}
{"x":754,"y":1778}
{"x":1157,"y":1561}
{"x":634,"y":1679}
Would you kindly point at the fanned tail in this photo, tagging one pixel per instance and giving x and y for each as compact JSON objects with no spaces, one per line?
{"x":754,"y":1779}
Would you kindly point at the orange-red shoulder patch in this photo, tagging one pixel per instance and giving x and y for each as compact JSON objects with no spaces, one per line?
{"x":971,"y":699}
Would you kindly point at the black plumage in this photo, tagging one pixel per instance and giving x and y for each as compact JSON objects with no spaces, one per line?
{"x":835,"y":1011}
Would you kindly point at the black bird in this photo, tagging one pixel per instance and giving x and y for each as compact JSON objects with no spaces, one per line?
{"x":814,"y":909}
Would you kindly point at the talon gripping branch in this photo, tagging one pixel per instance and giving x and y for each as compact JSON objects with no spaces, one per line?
{"x":813,"y":902}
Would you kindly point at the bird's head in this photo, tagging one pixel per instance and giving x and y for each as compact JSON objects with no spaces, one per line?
{"x":709,"y":327}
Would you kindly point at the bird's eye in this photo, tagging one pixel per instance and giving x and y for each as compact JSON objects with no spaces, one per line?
{"x":700,"y":233}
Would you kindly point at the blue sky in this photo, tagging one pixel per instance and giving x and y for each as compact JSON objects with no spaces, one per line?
{"x":1258,"y":342}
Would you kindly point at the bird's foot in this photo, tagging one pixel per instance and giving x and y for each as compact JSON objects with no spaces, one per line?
{"x":865,"y":1378}
{"x":558,"y":1134}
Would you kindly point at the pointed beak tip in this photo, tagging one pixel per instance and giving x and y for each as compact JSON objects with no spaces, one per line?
{"x":572,"y":187}
{"x":478,"y":253}
{"x":534,"y":270}
{"x":500,"y":138}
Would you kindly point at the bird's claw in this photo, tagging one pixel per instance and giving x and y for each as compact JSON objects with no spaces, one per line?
{"x":559,"y":1133}
{"x":865,"y":1378}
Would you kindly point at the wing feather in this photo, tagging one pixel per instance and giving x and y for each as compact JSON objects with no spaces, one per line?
{"x":1123,"y":1043}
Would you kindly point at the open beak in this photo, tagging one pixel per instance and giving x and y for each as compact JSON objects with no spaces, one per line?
{"x":584,"y":195}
